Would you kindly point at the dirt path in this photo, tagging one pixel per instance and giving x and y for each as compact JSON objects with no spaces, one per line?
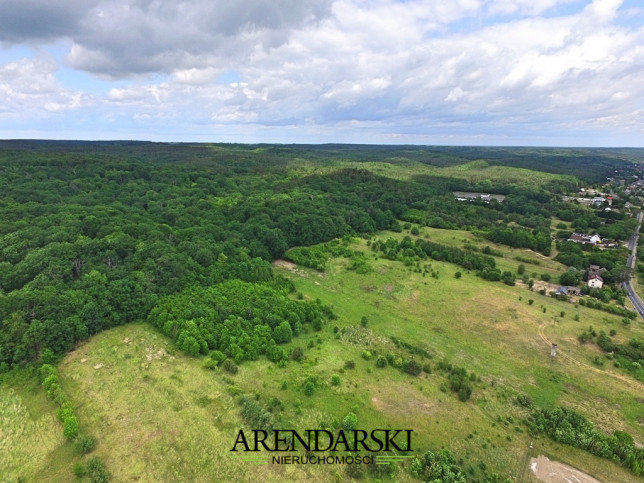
{"x":554,"y":472}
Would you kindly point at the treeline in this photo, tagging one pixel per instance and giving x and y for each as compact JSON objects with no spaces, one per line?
{"x":629,"y":356}
{"x":537,"y":240}
{"x":569,"y":427}
{"x":408,"y":251}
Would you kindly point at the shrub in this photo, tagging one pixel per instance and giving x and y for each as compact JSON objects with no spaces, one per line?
{"x":412,"y":367}
{"x":381,"y":362}
{"x":79,"y":470}
{"x":229,"y":366}
{"x":335,"y":380}
{"x":84,"y":443}
{"x":309,"y":388}
{"x":350,"y":365}
{"x":97,"y":471}
{"x":524,"y":400}
{"x":350,"y":422}
{"x":297,"y":354}
{"x":70,"y":427}
{"x":218,"y":356}
{"x":283,"y":333}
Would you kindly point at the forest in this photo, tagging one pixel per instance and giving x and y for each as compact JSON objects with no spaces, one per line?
{"x":95,"y":235}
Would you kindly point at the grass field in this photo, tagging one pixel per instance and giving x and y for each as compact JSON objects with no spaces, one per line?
{"x":160,"y":416}
{"x":29,"y":430}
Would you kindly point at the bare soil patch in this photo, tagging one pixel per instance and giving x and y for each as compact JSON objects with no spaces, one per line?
{"x":285,"y":264}
{"x":555,"y":472}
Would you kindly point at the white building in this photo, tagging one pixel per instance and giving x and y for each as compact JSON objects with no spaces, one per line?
{"x":595,"y":281}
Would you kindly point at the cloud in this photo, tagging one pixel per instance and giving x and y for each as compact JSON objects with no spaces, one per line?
{"x":29,"y":87}
{"x":402,"y":68}
{"x":118,"y":38}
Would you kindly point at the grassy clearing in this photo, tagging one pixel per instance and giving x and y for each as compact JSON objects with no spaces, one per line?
{"x":29,"y":430}
{"x":157,"y":415}
{"x":492,"y":330}
{"x":508,"y":261}
{"x":474,"y":171}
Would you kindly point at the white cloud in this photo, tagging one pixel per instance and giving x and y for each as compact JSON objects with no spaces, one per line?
{"x":29,"y":87}
{"x":399,"y":67}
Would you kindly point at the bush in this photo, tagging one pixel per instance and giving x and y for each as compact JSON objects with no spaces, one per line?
{"x":79,"y":470}
{"x":297,"y":354}
{"x":464,"y":392}
{"x":229,"y":366}
{"x":381,"y":362}
{"x":350,"y":422}
{"x":350,"y":365}
{"x":97,"y":471}
{"x":335,"y":380}
{"x":366,"y":355}
{"x":412,"y":367}
{"x":218,"y":357}
{"x":283,"y":333}
{"x":524,"y":400}
{"x":70,"y":427}
{"x":309,"y":388}
{"x":84,"y":444}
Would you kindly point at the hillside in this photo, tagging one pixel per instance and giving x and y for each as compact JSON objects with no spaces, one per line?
{"x":179,"y":294}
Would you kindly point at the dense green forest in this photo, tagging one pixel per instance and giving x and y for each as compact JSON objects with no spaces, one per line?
{"x":94,"y":235}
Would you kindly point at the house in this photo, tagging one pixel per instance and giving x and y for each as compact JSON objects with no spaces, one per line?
{"x":595,"y":270}
{"x":568,"y":290}
{"x":582,"y":238}
{"x":562,"y":291}
{"x":595,"y":281}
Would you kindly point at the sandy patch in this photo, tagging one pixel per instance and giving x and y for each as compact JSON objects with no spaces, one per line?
{"x":554,"y":472}
{"x":540,"y":284}
{"x":152,"y":354}
{"x":285,"y":264}
{"x":98,"y":366}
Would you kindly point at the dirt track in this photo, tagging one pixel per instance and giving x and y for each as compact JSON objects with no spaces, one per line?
{"x":553,"y":472}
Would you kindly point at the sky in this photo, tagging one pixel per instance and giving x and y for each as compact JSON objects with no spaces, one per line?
{"x":437,"y":72}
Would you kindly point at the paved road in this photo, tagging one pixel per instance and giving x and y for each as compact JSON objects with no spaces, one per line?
{"x":632,"y":260}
